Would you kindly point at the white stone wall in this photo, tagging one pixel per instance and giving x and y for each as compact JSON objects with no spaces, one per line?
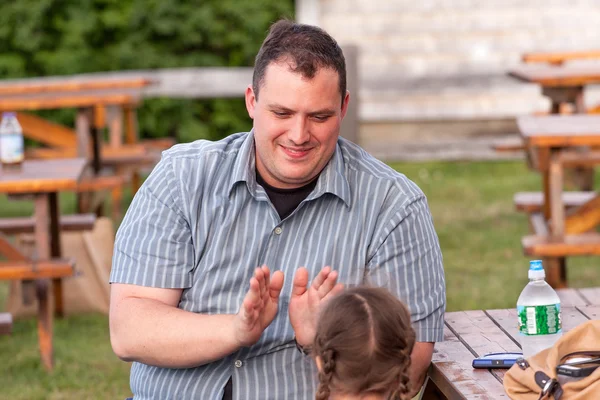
{"x":436,"y":59}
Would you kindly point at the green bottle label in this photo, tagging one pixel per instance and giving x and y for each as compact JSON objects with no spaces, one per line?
{"x":539,"y":320}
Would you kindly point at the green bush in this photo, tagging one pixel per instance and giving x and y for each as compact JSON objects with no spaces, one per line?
{"x":61,"y":37}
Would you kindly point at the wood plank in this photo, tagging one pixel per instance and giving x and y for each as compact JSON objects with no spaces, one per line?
{"x":570,"y":297}
{"x":508,"y":320}
{"x":68,"y":223}
{"x":9,"y":251}
{"x":583,"y":219}
{"x":591,"y":295}
{"x":538,"y":224}
{"x":29,"y":270}
{"x":42,"y":176}
{"x":71,"y":85}
{"x":45,"y":324}
{"x":579,"y":158}
{"x":557,"y":76}
{"x":507,"y":146}
{"x":200,"y":82}
{"x":558,"y":58}
{"x":57,"y":100}
{"x":452,"y":372}
{"x":560,"y":130}
{"x":591,"y":311}
{"x":481,"y":334}
{"x":46,"y":132}
{"x":5,"y":323}
{"x":531,"y":202}
{"x":570,"y":245}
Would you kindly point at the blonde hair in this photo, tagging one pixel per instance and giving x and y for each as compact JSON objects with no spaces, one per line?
{"x":364,"y":340}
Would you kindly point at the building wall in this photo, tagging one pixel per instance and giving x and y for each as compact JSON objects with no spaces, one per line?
{"x":447,"y":59}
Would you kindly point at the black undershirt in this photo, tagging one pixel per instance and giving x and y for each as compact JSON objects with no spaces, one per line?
{"x":285,"y":202}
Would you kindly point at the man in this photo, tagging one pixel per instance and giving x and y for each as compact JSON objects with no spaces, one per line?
{"x":290,"y":193}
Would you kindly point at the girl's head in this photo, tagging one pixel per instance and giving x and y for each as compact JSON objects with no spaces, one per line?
{"x":362,"y":346}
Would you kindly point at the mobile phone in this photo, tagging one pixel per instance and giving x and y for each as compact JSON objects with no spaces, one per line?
{"x":578,"y":369}
{"x":496,"y":360}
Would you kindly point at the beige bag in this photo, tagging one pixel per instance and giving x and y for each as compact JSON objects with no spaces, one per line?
{"x":87,"y":291}
{"x":536,"y":377}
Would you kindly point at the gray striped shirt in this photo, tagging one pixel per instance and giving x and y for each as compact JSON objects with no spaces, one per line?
{"x":201,"y":223}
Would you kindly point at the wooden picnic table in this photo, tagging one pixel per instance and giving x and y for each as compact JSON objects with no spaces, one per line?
{"x":100,"y":102}
{"x":470,"y":334}
{"x":554,"y":143}
{"x":561,"y":84}
{"x":41,"y":180}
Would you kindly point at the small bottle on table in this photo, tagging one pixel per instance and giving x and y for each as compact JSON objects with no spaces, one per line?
{"x":11,"y":143}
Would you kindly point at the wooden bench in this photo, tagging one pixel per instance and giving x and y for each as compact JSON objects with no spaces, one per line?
{"x":532,"y":202}
{"x":583,"y":244}
{"x":75,"y":222}
{"x":31,"y":270}
{"x":39,"y":273}
{"x":508,"y":146}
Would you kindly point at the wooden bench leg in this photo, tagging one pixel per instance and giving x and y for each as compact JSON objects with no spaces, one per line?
{"x":556,"y":272}
{"x":55,"y":251}
{"x":44,"y":323}
{"x":131,"y":137}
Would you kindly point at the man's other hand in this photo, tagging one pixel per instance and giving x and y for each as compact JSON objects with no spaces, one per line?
{"x":306,"y":301}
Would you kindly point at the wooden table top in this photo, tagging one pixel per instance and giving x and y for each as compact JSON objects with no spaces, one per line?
{"x":70,"y":84}
{"x":560,"y":130}
{"x":558,"y":57}
{"x":470,"y":334}
{"x":42,"y":176}
{"x":557,"y":76}
{"x":69,"y":99}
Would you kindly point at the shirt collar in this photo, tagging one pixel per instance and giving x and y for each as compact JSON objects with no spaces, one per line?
{"x":331,"y":180}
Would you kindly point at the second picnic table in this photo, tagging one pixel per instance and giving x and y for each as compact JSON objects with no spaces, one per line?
{"x":471,"y":334}
{"x":553,"y":143}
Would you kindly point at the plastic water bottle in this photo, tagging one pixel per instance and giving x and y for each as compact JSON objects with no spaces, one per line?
{"x":538,"y":309}
{"x":11,"y":141}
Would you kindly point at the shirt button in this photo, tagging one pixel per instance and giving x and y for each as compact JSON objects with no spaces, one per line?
{"x":238,"y":363}
{"x":278,"y":230}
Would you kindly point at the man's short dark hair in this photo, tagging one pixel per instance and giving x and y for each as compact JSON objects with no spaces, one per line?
{"x":308,"y":48}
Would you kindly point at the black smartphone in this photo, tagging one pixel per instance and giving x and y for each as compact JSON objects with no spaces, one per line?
{"x":578,"y":369}
{"x":496,"y":360}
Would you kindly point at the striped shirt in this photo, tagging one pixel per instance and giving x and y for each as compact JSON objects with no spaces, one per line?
{"x":201,"y":223}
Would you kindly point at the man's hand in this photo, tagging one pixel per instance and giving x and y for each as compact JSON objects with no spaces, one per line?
{"x":306,"y":302}
{"x":259,"y":307}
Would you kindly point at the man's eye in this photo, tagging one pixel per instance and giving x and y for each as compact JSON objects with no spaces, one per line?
{"x":321,"y":118}
{"x":280,"y":114}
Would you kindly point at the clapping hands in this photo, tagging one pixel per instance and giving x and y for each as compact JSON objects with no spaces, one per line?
{"x":261,"y":302}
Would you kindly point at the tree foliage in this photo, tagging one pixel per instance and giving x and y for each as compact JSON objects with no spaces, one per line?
{"x":61,"y":37}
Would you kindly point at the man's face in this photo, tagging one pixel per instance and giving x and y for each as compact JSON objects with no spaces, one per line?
{"x":296,"y":124}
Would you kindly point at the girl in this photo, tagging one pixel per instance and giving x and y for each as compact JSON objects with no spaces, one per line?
{"x":362,"y":346}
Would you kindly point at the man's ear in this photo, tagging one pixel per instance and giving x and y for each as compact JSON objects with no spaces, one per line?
{"x":250,"y":101}
{"x":345,"y":104}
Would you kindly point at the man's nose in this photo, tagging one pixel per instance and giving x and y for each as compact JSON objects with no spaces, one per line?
{"x":299,"y":132}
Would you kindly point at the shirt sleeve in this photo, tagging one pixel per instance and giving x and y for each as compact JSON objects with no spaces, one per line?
{"x":409,"y":263}
{"x":153,"y":246}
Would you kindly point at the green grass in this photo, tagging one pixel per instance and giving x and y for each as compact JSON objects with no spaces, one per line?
{"x":479,"y":233}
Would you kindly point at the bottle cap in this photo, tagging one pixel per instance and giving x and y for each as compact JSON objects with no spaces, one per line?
{"x":536,"y":270}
